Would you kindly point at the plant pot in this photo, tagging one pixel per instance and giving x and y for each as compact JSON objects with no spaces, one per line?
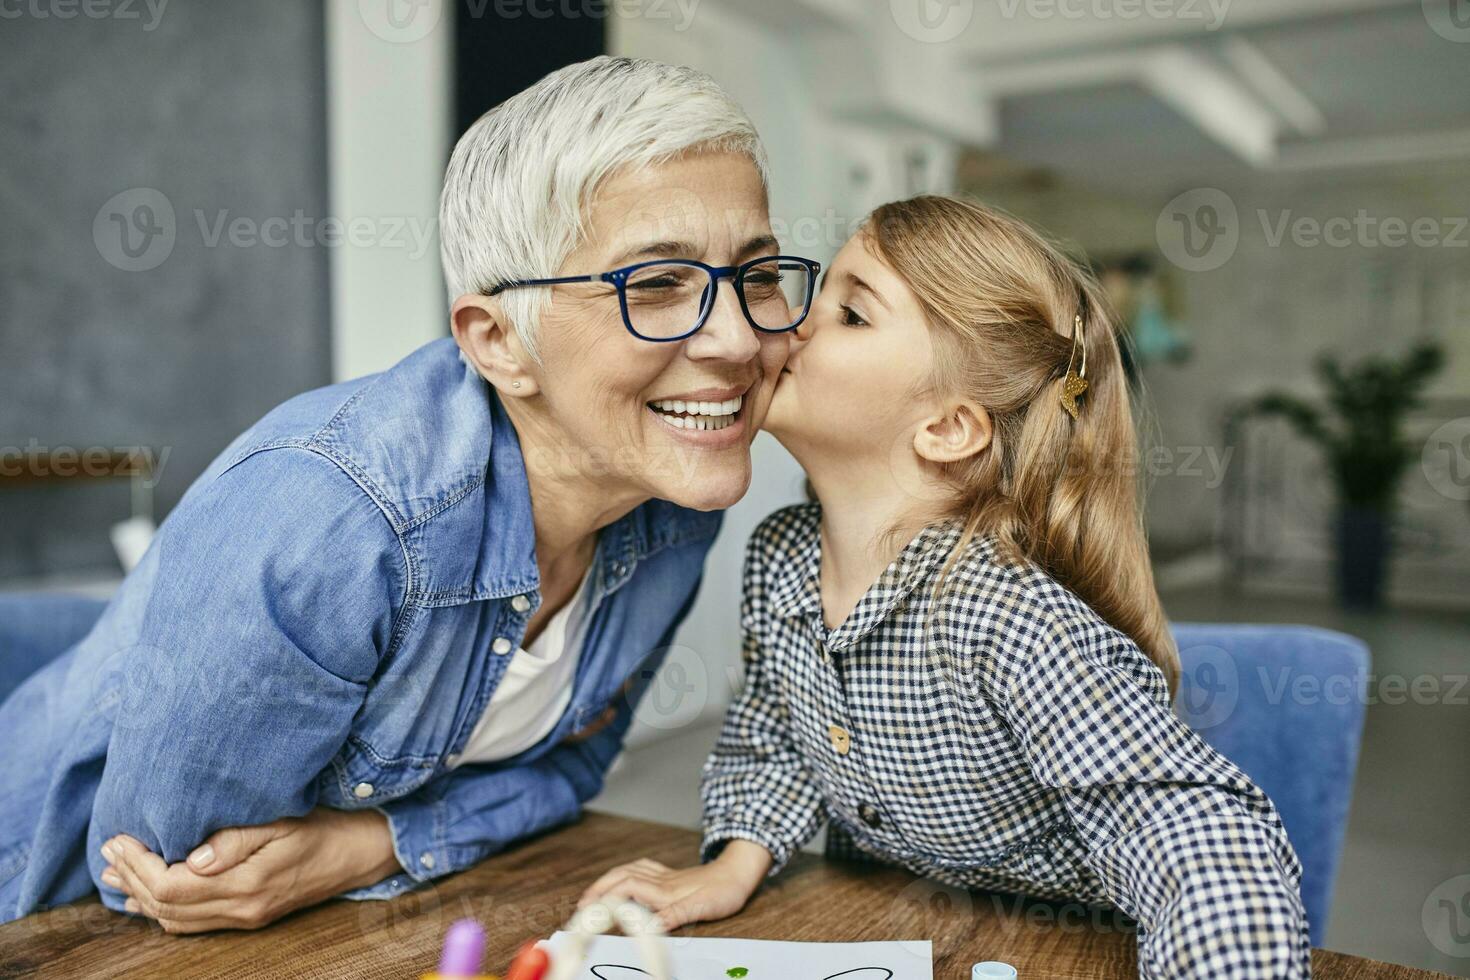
{"x":1364,"y":535}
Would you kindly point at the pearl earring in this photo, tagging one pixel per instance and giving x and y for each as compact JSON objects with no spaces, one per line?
{"x":515,"y":384}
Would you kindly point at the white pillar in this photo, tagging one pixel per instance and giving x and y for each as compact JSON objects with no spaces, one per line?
{"x":389,"y":106}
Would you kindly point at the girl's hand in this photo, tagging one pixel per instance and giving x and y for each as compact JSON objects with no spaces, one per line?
{"x":701,"y":893}
{"x":247,"y":877}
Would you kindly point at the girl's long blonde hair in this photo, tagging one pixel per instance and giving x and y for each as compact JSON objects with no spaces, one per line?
{"x":1063,"y":494}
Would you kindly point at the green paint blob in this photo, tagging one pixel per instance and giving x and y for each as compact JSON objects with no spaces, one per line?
{"x":737,"y":972}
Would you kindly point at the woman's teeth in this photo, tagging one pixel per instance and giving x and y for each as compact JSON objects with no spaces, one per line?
{"x":698,"y":415}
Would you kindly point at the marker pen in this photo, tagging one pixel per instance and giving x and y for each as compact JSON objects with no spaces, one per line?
{"x":464,"y":951}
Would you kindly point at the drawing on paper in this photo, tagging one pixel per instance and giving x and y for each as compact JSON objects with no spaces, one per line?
{"x":611,"y":971}
{"x":702,"y":958}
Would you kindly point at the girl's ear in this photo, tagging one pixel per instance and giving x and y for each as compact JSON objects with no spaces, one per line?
{"x":491,"y":344}
{"x":964,"y":430}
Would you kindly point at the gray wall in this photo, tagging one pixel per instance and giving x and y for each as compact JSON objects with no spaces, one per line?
{"x":1258,"y":321}
{"x":218,"y":109}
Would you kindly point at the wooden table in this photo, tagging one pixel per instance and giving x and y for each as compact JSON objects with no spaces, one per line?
{"x":532,"y":890}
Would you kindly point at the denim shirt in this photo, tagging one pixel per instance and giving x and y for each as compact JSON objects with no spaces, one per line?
{"x":321,"y":621}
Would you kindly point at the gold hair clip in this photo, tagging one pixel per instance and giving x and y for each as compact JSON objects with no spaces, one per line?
{"x":1075,"y":384}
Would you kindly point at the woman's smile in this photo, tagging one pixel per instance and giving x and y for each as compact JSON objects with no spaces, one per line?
{"x":710,"y":418}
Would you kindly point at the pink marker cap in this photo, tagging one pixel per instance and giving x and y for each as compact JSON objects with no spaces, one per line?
{"x":464,"y":949}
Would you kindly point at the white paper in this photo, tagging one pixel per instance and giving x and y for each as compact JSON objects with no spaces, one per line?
{"x":617,"y":958}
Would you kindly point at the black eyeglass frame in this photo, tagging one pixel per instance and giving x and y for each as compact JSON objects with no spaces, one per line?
{"x":735,"y":273}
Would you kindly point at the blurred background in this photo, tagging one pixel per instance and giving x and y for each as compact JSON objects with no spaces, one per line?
{"x":212,"y":206}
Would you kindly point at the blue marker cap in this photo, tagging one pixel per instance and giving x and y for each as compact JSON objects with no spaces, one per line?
{"x":992,"y":970}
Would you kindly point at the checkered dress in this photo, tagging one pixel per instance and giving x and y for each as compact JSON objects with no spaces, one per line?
{"x":1003,"y":737}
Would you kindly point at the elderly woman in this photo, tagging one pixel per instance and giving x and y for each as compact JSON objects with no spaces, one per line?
{"x":403,"y":621}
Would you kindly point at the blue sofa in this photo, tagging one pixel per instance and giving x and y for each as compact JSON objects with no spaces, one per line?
{"x":1285,"y":704}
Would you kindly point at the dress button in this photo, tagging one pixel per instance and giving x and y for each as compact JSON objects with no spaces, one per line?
{"x":870,"y":815}
{"x":520,"y":603}
{"x":426,"y":859}
{"x":362,"y":790}
{"x":501,"y":645}
{"x":841,"y":741}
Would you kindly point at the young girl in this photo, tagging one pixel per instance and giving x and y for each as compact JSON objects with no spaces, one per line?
{"x":956,"y":657}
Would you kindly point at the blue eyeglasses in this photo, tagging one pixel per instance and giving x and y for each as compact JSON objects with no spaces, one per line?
{"x":670,"y":299}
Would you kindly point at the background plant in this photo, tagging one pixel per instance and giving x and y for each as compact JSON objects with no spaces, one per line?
{"x":1361,"y":426}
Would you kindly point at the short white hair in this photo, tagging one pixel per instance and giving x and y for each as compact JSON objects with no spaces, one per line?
{"x":519,"y":180}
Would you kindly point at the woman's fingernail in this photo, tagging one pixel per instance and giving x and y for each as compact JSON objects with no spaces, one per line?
{"x":131,"y":905}
{"x":110,"y":877}
{"x":202,"y":857}
{"x":107,"y":852}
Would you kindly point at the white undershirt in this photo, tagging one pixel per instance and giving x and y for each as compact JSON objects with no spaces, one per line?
{"x":533,"y":694}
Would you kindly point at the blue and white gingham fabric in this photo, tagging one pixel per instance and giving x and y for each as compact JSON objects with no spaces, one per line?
{"x":1002,"y":737}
